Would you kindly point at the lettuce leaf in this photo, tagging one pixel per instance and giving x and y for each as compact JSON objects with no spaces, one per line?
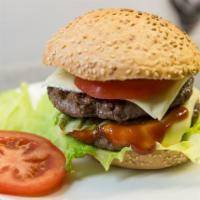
{"x":195,"y":129}
{"x":190,"y":144}
{"x":69,"y":124}
{"x":18,"y":113}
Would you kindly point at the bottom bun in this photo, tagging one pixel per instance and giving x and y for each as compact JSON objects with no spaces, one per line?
{"x":157,"y":160}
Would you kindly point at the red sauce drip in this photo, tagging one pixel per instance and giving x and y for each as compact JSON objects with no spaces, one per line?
{"x":86,"y":136}
{"x":142,"y":137}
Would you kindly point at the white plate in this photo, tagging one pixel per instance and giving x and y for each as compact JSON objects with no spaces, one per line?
{"x":90,"y":182}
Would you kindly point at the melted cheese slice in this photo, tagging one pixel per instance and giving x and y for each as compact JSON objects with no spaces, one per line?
{"x":63,"y":80}
{"x":156,"y":107}
{"x":175,"y":133}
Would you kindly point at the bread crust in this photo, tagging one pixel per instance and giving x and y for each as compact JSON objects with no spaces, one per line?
{"x":158,"y":159}
{"x":121,"y":44}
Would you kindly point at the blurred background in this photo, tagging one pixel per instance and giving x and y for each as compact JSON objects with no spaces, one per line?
{"x":25,"y":27}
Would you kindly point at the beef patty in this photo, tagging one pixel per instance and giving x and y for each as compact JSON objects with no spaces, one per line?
{"x":102,"y":142}
{"x":82,"y":105}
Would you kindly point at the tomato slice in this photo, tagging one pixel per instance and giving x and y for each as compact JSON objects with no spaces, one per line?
{"x":29,"y":165}
{"x":129,"y":89}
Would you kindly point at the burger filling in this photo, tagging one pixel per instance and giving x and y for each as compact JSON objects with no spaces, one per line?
{"x":82,"y":105}
{"x":121,"y":120}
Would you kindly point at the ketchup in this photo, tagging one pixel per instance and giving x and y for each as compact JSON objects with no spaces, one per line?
{"x":141,"y":137}
{"x":87,"y":136}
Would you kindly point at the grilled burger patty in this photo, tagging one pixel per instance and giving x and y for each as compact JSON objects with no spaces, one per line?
{"x":82,"y":105}
{"x":102,"y":142}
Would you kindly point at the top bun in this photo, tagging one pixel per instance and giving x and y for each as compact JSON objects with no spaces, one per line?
{"x":120,"y":44}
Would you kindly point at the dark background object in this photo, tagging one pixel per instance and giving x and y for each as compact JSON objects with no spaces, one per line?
{"x":188,"y":12}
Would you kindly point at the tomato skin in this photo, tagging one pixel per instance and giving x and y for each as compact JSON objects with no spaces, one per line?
{"x":139,"y":89}
{"x":42,"y":156}
{"x":30,"y":190}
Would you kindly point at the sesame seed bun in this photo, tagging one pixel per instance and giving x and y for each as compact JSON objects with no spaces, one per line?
{"x":157,"y":160}
{"x":120,"y":44}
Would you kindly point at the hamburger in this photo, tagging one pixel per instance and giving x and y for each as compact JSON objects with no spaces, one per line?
{"x":124,"y":85}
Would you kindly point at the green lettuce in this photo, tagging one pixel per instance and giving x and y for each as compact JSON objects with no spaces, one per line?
{"x":190,"y":144}
{"x":18,"y":113}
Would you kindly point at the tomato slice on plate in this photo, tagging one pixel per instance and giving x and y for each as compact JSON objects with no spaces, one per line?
{"x":129,"y":89}
{"x":29,"y":165}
